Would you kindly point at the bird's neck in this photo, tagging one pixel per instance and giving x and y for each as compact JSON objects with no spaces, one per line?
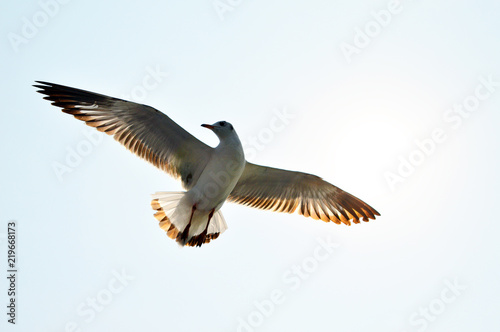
{"x":230,"y":145}
{"x":229,"y":141}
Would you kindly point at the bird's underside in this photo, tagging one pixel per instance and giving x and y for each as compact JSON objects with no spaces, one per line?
{"x":154,"y":137}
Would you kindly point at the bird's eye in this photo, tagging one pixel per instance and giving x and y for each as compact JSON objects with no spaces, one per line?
{"x":223,"y":123}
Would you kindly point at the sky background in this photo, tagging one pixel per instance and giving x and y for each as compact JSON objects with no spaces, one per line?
{"x":91,"y":256}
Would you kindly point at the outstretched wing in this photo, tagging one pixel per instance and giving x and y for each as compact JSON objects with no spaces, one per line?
{"x":286,"y":191}
{"x":142,"y":129}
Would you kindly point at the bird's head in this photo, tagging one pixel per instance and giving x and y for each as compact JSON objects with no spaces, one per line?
{"x":222,"y":129}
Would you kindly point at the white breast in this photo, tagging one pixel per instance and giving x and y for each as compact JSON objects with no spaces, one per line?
{"x":219,"y":176}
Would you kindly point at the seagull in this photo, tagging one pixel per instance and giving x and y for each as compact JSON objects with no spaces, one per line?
{"x":211,"y":176}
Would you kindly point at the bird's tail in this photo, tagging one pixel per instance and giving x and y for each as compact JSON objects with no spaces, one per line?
{"x":181,"y":221}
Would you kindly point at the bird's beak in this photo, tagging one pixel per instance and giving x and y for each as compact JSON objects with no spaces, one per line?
{"x":208,"y":126}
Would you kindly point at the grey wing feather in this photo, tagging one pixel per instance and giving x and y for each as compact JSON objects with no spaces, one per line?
{"x":142,"y":129}
{"x":287,"y":191}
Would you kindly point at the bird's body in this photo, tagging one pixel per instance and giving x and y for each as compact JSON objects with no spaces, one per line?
{"x":211,"y":176}
{"x":190,"y":218}
{"x":220,"y":175}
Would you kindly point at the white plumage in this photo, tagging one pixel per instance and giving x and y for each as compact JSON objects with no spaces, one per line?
{"x":210,"y":175}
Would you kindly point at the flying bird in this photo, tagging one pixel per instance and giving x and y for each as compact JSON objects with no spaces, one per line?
{"x":210,"y":175}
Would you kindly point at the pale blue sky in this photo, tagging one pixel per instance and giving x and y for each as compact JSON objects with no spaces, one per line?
{"x":349,"y":122}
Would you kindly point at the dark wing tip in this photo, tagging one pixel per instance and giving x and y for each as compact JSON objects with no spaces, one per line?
{"x":42,"y":86}
{"x":47,"y":85}
{"x":54,"y":91}
{"x":62,"y":95}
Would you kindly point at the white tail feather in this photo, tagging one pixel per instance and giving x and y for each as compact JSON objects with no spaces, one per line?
{"x":175,"y":212}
